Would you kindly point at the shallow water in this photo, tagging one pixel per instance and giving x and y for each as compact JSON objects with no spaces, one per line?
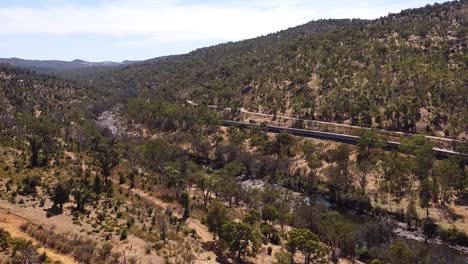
{"x":435,"y":253}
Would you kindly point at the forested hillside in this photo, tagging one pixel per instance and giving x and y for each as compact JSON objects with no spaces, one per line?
{"x":39,"y":111}
{"x":118,"y":167}
{"x":22,"y":91}
{"x":405,"y":72}
{"x":25,"y":94}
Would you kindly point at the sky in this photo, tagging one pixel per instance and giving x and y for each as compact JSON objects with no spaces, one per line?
{"x":105,"y":30}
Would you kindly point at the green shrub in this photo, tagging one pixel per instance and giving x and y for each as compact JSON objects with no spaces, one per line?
{"x":124,"y":234}
{"x":363,"y":254}
{"x":454,"y":236}
{"x":275,"y":239}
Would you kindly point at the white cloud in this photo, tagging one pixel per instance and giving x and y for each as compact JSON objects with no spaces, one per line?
{"x":167,"y":21}
{"x":177,"y":20}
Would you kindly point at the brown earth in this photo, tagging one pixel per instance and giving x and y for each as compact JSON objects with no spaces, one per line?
{"x":202,"y":230}
{"x":12,"y":222}
{"x":63,"y":224}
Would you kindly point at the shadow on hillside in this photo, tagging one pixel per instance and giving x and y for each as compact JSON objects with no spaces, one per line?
{"x":53,"y":211}
{"x":220,"y":256}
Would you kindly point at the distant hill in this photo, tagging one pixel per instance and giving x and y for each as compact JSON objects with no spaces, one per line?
{"x":57,"y":66}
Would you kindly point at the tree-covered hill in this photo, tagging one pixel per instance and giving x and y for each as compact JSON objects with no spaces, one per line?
{"x":57,"y":66}
{"x":25,"y":92}
{"x":406,"y":71}
{"x":44,"y":115}
{"x":41,"y":110}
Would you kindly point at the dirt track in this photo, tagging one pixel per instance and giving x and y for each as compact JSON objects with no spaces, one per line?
{"x":12,"y":216}
{"x":11,"y":222}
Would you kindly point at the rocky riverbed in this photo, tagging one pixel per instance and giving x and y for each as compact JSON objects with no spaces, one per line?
{"x":107,"y":120}
{"x":401,"y":230}
{"x":404,"y":231}
{"x":117,"y":126}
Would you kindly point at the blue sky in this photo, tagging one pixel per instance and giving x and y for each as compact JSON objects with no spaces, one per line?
{"x":101,"y":30}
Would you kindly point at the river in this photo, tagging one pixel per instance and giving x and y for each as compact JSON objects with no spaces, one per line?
{"x":436,"y":251}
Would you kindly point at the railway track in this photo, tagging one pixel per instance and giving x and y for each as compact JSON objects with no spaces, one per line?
{"x":343,"y":138}
{"x":245,"y":111}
